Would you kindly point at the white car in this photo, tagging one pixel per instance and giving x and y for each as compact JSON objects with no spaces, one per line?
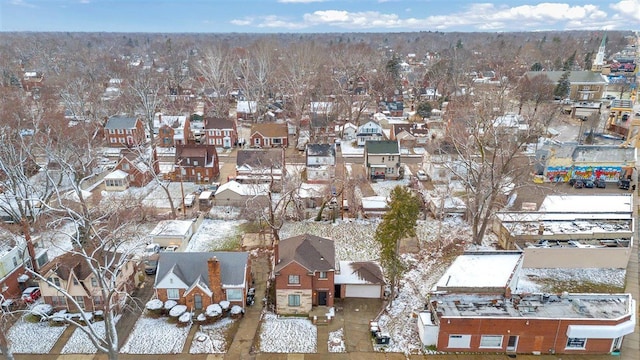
{"x":422,"y":176}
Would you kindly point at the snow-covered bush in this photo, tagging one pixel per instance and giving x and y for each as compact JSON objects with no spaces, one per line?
{"x":185,"y":318}
{"x":177,"y":310}
{"x":224,"y":304}
{"x":213,"y":310}
{"x":154,"y":305}
{"x":236,"y":311}
{"x":169,"y":304}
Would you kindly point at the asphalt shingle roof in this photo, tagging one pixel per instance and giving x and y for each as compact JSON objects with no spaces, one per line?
{"x":191,"y":266}
{"x":312,"y":252}
{"x":120,"y":122}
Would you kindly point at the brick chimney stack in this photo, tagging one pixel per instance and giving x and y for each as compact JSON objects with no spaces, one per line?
{"x":215,"y":281}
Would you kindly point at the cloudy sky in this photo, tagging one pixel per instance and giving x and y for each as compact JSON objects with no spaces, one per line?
{"x":268,"y":16}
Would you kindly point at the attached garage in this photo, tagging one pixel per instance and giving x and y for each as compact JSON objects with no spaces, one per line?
{"x":359,"y":280}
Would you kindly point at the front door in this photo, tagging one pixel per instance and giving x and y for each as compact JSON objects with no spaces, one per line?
{"x":512,"y":344}
{"x":197,"y":302}
{"x":322,"y":298}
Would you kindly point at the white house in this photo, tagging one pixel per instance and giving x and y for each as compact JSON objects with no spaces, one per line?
{"x":371,"y":130}
{"x":320,"y":161}
{"x":173,"y":233}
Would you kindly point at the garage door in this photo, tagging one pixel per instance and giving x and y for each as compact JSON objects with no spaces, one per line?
{"x":362,"y":291}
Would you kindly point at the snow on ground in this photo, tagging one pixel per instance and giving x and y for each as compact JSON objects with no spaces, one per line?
{"x":349,"y":148}
{"x":527,"y":280}
{"x":224,"y":213}
{"x":336,"y":341}
{"x":214,"y":235}
{"x":155,"y":336}
{"x":211,"y":339}
{"x":57,"y":240}
{"x":353,"y":238}
{"x":383,"y":188}
{"x":158,"y":197}
{"x":33,"y":338}
{"x":79,"y":342}
{"x":287,"y":335}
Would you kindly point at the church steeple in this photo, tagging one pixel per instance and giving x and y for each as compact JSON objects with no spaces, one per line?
{"x":598,"y":63}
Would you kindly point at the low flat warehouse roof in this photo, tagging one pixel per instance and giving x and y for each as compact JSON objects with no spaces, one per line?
{"x":588,"y":203}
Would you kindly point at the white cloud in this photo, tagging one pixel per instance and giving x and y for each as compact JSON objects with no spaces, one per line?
{"x":629,"y":9}
{"x":242,"y":22}
{"x":21,"y":3}
{"x":479,"y":16}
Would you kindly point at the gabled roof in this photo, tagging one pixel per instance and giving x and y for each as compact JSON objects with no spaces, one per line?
{"x":312,"y":252}
{"x":260,"y":158}
{"x":121,"y":122}
{"x":321,"y":150}
{"x":183,"y":151}
{"x":192,"y":267}
{"x":67,"y":262}
{"x":270,"y":130}
{"x":382,"y":147}
{"x":172,"y":228}
{"x":243,"y":189}
{"x":217,"y":123}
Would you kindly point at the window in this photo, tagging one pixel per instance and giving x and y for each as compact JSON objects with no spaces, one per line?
{"x":113,"y":140}
{"x":56,"y":281}
{"x":120,"y":131}
{"x":383,"y":159}
{"x":459,"y":341}
{"x":80,"y":301}
{"x":58,"y":301}
{"x":75,"y":281}
{"x":15,"y":261}
{"x":125,"y":166}
{"x":195,"y":163}
{"x":322,"y":275}
{"x":294,"y":279}
{"x":276,"y":141}
{"x":234,"y":294}
{"x":576,"y":343}
{"x":218,"y":141}
{"x":294,"y":300}
{"x":173,"y":294}
{"x":97,"y":300}
{"x":94,"y":283}
{"x":391,"y":158}
{"x":491,"y":341}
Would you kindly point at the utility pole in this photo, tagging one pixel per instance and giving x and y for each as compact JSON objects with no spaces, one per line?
{"x":184,"y":207}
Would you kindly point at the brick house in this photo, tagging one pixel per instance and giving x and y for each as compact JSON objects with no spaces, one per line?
{"x":267,"y":135}
{"x":199,"y":279}
{"x":14,"y":260}
{"x":475,"y":308}
{"x":220,"y":132}
{"x":196,"y":163}
{"x":304,"y":273}
{"x":382,"y":159}
{"x":171,"y":130}
{"x":122,"y":131}
{"x":70,"y":272}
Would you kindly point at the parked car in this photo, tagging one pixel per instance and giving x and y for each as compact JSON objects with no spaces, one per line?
{"x":151,"y":264}
{"x":600,"y":183}
{"x":31,"y":294}
{"x":152,"y":249}
{"x":421,"y":175}
{"x":624,"y":184}
{"x":589,"y":184}
{"x":579,"y":184}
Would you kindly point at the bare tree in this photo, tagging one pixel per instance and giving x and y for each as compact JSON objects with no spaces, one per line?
{"x":492,"y":163}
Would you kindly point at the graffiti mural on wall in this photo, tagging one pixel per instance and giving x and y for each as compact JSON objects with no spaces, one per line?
{"x":564,"y":173}
{"x":558,"y":173}
{"x":607,"y":173}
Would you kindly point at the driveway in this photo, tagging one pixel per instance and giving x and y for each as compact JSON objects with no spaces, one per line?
{"x":353,"y":316}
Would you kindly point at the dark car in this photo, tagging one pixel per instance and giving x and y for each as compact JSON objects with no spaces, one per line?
{"x":589,"y":184}
{"x":600,"y":183}
{"x":579,"y":184}
{"x":624,"y":184}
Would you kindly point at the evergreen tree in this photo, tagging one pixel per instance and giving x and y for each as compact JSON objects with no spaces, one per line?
{"x":564,"y":86}
{"x":424,"y":109}
{"x":398,"y":223}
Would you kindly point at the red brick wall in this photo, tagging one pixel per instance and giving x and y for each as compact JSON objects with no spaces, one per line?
{"x":11,"y":281}
{"x":307,"y":281}
{"x":533,"y":334}
{"x":323,"y":285}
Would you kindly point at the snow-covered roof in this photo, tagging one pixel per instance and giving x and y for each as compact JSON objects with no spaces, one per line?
{"x":172,"y":228}
{"x":490,"y":269}
{"x":361,"y":272}
{"x":191,"y":267}
{"x":588,"y":203}
{"x":248,"y":107}
{"x":243,"y":189}
{"x":307,"y":191}
{"x":374,"y":202}
{"x":116,"y":175}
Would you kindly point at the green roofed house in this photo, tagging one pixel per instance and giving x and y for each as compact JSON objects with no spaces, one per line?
{"x":585,"y":85}
{"x":382,"y":160}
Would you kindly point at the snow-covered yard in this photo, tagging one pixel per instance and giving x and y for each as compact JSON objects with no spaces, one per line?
{"x":336,"y":341}
{"x":383,"y":188}
{"x":155,"y":336}
{"x":287,"y":335}
{"x":214,"y":235}
{"x":33,"y":338}
{"x":157,"y":198}
{"x":79,"y":342}
{"x":211,"y":339}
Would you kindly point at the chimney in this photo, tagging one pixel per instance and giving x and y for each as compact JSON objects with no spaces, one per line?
{"x":215,"y":281}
